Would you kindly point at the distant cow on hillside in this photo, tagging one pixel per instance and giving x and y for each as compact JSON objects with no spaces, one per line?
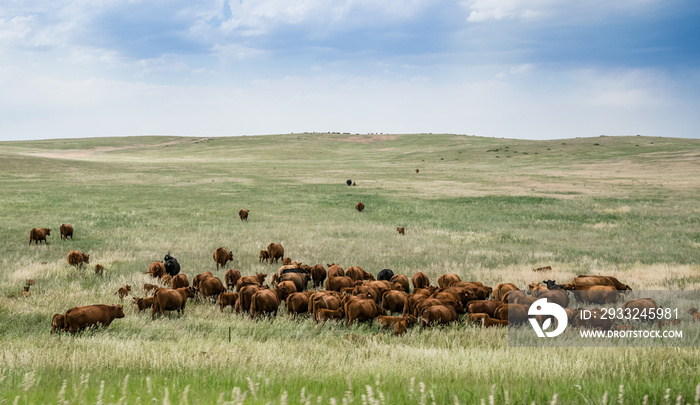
{"x":76,"y":258}
{"x":222,"y":256}
{"x":66,"y":231}
{"x":359,"y":206}
{"x":39,"y":234}
{"x":243,"y":214}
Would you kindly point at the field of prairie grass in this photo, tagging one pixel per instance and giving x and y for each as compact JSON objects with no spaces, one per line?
{"x":487,"y":209}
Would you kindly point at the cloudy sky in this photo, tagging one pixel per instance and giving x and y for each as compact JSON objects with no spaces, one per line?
{"x":503,"y":68}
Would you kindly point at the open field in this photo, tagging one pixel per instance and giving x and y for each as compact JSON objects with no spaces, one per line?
{"x":487,"y":209}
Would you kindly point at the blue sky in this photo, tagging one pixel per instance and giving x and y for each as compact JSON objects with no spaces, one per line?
{"x":532,"y":69}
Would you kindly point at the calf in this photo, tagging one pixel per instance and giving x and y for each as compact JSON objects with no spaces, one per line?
{"x":386,"y":322}
{"x":359,"y":206}
{"x":322,"y":315}
{"x":401,"y":231}
{"x":477,"y":318}
{"x":696,"y":315}
{"x":490,"y":322}
{"x":264,"y":256}
{"x":440,"y":314}
{"x":39,"y":234}
{"x":227,"y":299}
{"x":58,"y":323}
{"x":400,"y":327}
{"x":123,"y":291}
{"x":149,"y":288}
{"x":143,"y":303}
{"x":179,"y":281}
{"x":99,"y":269}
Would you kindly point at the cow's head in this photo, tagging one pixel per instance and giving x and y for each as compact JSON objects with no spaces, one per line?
{"x":119,"y":310}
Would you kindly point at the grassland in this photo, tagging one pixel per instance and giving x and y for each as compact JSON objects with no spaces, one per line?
{"x":487,"y":209}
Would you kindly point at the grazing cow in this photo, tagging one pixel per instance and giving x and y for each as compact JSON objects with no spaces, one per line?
{"x":66,"y":231}
{"x":440,"y":314}
{"x":143,"y":303}
{"x":172,"y":267}
{"x":545,"y":268}
{"x":81,"y":318}
{"x":231,"y":278}
{"x":552,"y":285}
{"x":394,"y":301}
{"x":502,"y":289}
{"x":401,"y":280}
{"x":696,"y":315}
{"x":179,"y":281}
{"x":560,"y":297}
{"x":321,"y":300}
{"x":264,"y":256}
{"x":446,"y":280}
{"x":297,"y":303}
{"x":284,"y":289}
{"x":99,"y":269}
{"x":245,"y":296}
{"x":386,"y":322}
{"x":357,"y":274}
{"x":335,"y":270}
{"x":58,"y":323}
{"x":123,"y":291}
{"x":211,"y":287}
{"x":640,"y":304}
{"x":318,"y":275}
{"x":513,"y":295}
{"x":264,"y":302}
{"x":222,"y":256}
{"x":362,"y":310}
{"x":385,"y":274}
{"x":76,"y":258}
{"x":359,"y":206}
{"x":401,"y":231}
{"x":513,"y":313}
{"x":227,"y":299}
{"x":598,"y":294}
{"x":400,"y":327}
{"x":599,"y":280}
{"x":39,"y":234}
{"x":336,"y":283}
{"x":167,"y":299}
{"x":483,"y":306}
{"x":257,"y":280}
{"x":25,"y":292}
{"x":477,"y":317}
{"x":276,"y":252}
{"x":420,"y":280}
{"x":156,"y":269}
{"x":491,"y":322}
{"x":243,"y":214}
{"x":199,"y":277}
{"x":322,"y":315}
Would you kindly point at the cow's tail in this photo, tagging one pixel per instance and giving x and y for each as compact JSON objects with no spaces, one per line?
{"x":253,"y":305}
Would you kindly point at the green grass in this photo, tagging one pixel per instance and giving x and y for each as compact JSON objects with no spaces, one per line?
{"x":613,"y":208}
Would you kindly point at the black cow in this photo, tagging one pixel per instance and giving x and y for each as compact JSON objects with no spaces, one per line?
{"x":385,"y":274}
{"x":349,"y":182}
{"x":552,"y":285}
{"x":172,"y":267}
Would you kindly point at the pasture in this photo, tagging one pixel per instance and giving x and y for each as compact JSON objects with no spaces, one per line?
{"x":487,"y":209}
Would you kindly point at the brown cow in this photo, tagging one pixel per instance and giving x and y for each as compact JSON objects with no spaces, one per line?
{"x":386,"y":322}
{"x":560,"y":297}
{"x":149,"y":287}
{"x":483,"y":306}
{"x":400,"y":327}
{"x":211,"y":287}
{"x":318,"y":275}
{"x":286,"y":261}
{"x":264,"y":256}
{"x":359,"y":206}
{"x":143,"y":303}
{"x":336,"y":283}
{"x":222,"y":256}
{"x":394,"y":301}
{"x":199,"y":277}
{"x":545,"y":268}
{"x":401,"y":231}
{"x":245,"y":296}
{"x":165,"y":279}
{"x":179,"y":281}
{"x":58,"y":323}
{"x":502,"y":289}
{"x":243,"y":214}
{"x":322,"y":315}
{"x":76,"y":258}
{"x":231,"y":278}
{"x":167,"y":299}
{"x":335,"y":270}
{"x":227,"y":299}
{"x":284,"y":289}
{"x":297,"y":303}
{"x":477,"y":317}
{"x":321,"y":300}
{"x":156,"y":269}
{"x":598,"y":294}
{"x":258,"y":279}
{"x":276,"y":252}
{"x":513,"y":295}
{"x":81,"y":318}
{"x":536,"y":287}
{"x":599,"y":280}
{"x":440,"y":314}
{"x":66,"y":231}
{"x":39,"y":234}
{"x":300,"y":280}
{"x":491,"y":322}
{"x":357,"y":274}
{"x":99,"y":269}
{"x":402,"y":280}
{"x":447,"y":280}
{"x":417,"y":170}
{"x":640,"y":304}
{"x":598,"y":319}
{"x":513,"y":313}
{"x":362,"y":310}
{"x":420,"y":280}
{"x":123,"y":291}
{"x":264,"y":302}
{"x":696,"y":315}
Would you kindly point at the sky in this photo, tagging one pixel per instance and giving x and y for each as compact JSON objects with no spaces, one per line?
{"x":531,"y":69}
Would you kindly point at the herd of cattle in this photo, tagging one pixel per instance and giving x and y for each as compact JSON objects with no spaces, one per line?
{"x":350,"y":294}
